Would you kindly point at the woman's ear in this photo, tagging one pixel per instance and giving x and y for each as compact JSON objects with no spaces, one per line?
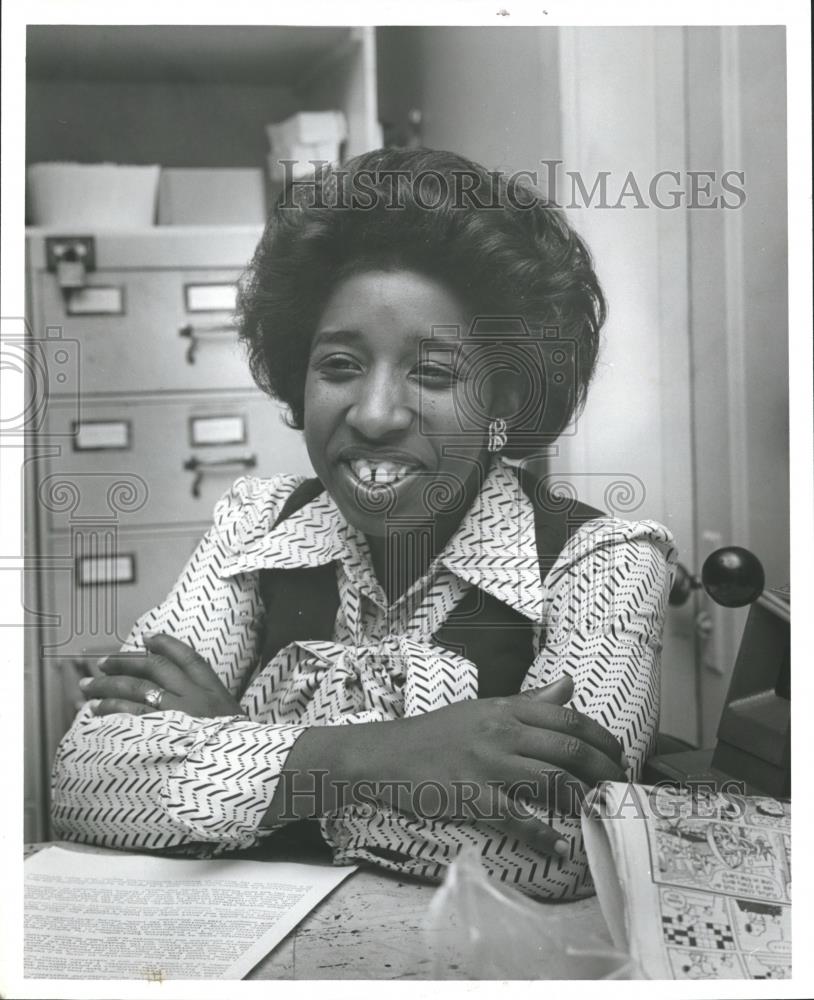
{"x":507,"y":395}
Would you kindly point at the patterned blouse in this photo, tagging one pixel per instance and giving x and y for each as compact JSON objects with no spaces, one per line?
{"x":165,"y":779}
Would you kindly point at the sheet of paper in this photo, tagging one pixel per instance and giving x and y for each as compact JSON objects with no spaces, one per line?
{"x":127,"y":916}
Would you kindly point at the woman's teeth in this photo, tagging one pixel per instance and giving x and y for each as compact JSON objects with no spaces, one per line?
{"x":379,"y":472}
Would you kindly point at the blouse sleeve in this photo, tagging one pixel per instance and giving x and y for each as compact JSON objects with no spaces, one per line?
{"x":605,"y":602}
{"x":606,"y":598}
{"x":165,"y":778}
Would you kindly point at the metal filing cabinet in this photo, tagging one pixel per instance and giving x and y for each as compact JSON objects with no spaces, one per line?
{"x":144,"y":413}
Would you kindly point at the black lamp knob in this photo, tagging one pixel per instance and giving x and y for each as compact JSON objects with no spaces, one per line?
{"x":733,"y":576}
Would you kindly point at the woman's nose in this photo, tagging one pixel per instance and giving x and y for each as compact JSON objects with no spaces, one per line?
{"x":380,"y":408}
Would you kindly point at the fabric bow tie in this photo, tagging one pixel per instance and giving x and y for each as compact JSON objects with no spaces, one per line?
{"x":319,"y":682}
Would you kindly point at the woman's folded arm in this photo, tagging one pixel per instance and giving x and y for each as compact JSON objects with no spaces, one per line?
{"x":152,"y":780}
{"x":166,"y":778}
{"x":407,"y":794}
{"x":608,"y":596}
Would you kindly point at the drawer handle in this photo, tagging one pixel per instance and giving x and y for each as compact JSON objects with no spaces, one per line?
{"x":196,"y":334}
{"x":201,"y":468}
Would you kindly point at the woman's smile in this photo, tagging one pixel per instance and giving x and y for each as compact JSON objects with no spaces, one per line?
{"x":374,"y":473}
{"x":382,"y":473}
{"x":371,"y":466}
{"x":378,"y":482}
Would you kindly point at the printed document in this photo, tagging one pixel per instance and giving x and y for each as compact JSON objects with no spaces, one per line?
{"x":128,"y":916}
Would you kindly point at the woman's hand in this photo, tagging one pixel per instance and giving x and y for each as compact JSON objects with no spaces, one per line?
{"x":173,"y":672}
{"x":468,"y":761}
{"x":526,"y":745}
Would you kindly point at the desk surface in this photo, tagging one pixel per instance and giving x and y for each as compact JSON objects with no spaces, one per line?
{"x":372,"y":927}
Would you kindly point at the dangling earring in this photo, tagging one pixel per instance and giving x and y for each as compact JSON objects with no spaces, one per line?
{"x":497,"y":434}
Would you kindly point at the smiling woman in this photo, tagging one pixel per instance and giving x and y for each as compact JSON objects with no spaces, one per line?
{"x":495,"y":646}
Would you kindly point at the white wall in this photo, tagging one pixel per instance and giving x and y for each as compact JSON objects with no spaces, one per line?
{"x":692,"y":391}
{"x":623,"y":112}
{"x":739,"y":321}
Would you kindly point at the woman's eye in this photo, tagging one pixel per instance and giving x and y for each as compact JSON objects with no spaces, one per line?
{"x":436,"y":374}
{"x":338,"y":364}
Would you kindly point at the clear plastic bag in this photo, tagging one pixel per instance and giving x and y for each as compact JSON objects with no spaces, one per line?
{"x":478,"y":928}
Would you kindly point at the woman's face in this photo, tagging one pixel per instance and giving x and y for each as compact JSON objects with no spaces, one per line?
{"x":383,"y":402}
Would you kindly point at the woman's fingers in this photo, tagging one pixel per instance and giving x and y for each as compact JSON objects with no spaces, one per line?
{"x":544,"y":785}
{"x":519,"y":821}
{"x":131,"y":678}
{"x":549,"y":747}
{"x":556,"y":692}
{"x":183,"y":656}
{"x":543,"y":715}
{"x":492,"y":805}
{"x":122,"y":687}
{"x":156,"y":669}
{"x":111,"y":706}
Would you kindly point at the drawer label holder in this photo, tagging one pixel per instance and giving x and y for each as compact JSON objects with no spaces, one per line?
{"x":97,"y":571}
{"x":215,"y":430}
{"x":101,"y":435}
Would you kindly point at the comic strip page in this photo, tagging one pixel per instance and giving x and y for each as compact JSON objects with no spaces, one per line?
{"x":722,"y":862}
{"x":714,"y":899}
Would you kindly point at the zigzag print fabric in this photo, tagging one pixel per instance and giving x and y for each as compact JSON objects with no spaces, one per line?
{"x":167,"y":780}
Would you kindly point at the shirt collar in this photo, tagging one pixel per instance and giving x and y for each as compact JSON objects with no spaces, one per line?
{"x":493,"y":548}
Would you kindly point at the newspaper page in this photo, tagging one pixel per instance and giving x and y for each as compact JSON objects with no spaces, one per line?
{"x":695,"y":883}
{"x":120,"y":916}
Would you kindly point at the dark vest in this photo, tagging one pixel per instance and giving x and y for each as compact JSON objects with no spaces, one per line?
{"x":302,"y":604}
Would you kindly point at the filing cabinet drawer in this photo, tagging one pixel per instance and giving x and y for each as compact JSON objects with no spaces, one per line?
{"x":161,"y":461}
{"x":100,"y":581}
{"x":147,"y":330}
